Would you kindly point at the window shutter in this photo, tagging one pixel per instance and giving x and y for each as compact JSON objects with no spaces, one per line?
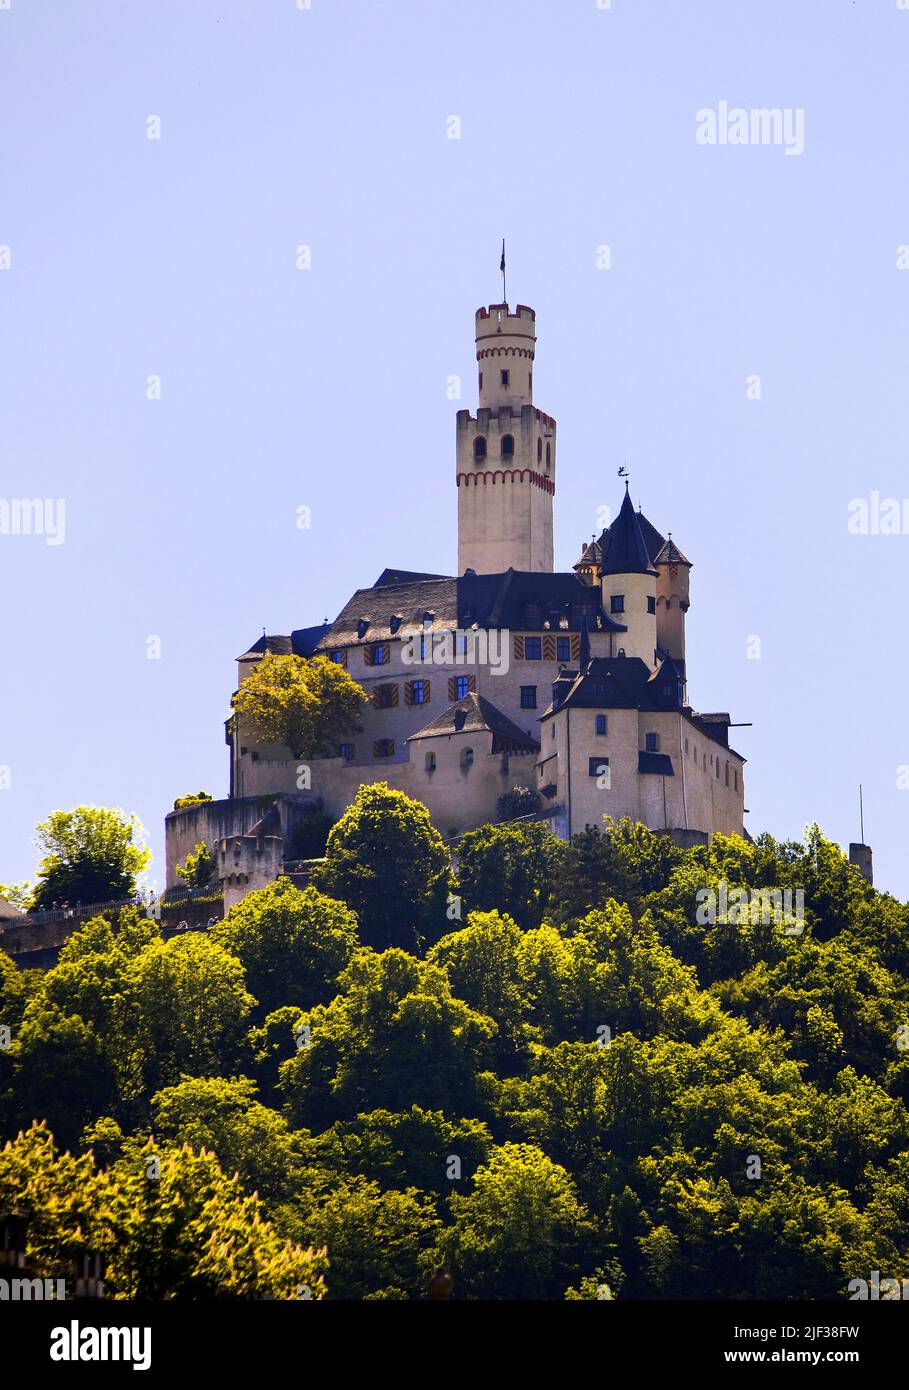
{"x":386,"y":653}
{"x":426,"y":692}
{"x":549,"y":647}
{"x":452,"y":687}
{"x":518,"y":647}
{"x":575,"y":646}
{"x":471,"y":683}
{"x":408,"y":692}
{"x":393,"y":700}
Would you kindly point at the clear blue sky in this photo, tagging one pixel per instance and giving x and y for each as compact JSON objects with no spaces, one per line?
{"x":327,"y":388}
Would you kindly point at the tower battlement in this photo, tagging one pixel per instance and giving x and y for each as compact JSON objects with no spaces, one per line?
{"x":508,"y":438}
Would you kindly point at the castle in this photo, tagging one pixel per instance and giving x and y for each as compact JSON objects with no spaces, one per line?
{"x":508,"y":675}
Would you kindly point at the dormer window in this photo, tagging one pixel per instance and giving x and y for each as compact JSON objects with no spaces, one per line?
{"x":395,"y":622}
{"x":362,"y":628}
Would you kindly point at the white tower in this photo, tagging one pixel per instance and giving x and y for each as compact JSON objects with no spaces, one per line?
{"x":506,"y":454}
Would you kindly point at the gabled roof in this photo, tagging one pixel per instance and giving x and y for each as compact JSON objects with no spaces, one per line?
{"x":476,"y":714}
{"x":627,"y":551}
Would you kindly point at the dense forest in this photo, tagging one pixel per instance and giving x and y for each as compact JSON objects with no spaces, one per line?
{"x":546,"y":1073}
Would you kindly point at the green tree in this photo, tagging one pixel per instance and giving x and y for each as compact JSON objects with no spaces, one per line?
{"x":386,"y":859}
{"x":394,"y":1036}
{"x":224,"y":1117}
{"x":188,"y":1010}
{"x":292,"y":943}
{"x":521,"y":1232}
{"x":305,"y":705}
{"x":198,"y":868}
{"x":380,"y":1241}
{"x":170,"y":1222}
{"x":511,"y":868}
{"x":410,"y":1148}
{"x":91,"y":854}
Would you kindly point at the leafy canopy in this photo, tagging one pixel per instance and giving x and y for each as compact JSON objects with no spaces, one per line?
{"x":305,"y":705}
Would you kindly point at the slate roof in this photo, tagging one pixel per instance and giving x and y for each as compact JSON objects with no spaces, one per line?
{"x":476,"y":714}
{"x":625,"y":682}
{"x":612,"y":682}
{"x":653,"y":539}
{"x":276,"y":645}
{"x":402,"y":577}
{"x":516,"y":599}
{"x":660,"y":763}
{"x":669,"y":554}
{"x":627,"y":551}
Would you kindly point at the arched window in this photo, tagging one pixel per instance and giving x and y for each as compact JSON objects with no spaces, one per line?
{"x":479,"y":447}
{"x":467,"y":758}
{"x":539,"y":451}
{"x":507,"y":446}
{"x":548,"y":457}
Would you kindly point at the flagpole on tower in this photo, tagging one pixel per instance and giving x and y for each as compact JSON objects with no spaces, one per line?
{"x":502,"y":269}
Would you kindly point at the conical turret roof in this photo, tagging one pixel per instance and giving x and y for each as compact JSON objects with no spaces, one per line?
{"x":627,"y":552}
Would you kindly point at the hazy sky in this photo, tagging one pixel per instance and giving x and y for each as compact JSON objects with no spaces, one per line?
{"x":280,"y":126}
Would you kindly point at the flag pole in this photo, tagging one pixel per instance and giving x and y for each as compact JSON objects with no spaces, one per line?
{"x":502,"y":268}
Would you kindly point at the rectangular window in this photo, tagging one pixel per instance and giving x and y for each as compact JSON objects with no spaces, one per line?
{"x":346,"y":751}
{"x":378,"y":654}
{"x":736,"y":779}
{"x":533,"y":648}
{"x":597,"y":766}
{"x":651,"y":604}
{"x":617,"y":603}
{"x":602,"y":724}
{"x":652,"y":743}
{"x":385,"y":696}
{"x":528,"y":697}
{"x":416,"y":692}
{"x":506,"y":377}
{"x":339,"y":658}
{"x":563,"y":649}
{"x":459,"y":686}
{"x":727,"y":774}
{"x":383,"y":748}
